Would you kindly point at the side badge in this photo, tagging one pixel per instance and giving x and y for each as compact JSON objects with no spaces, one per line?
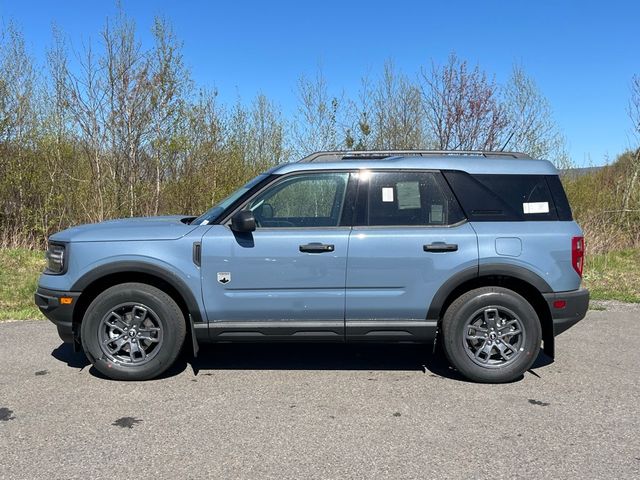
{"x":224,"y":277}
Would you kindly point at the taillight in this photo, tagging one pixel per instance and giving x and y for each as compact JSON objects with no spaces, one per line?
{"x":577,"y":254}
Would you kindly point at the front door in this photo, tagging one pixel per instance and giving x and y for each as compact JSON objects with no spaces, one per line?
{"x":410,"y":239}
{"x":287,"y":278}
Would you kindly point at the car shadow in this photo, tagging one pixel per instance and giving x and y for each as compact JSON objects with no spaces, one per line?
{"x":364,"y":357}
{"x":300,"y":356}
{"x":65,"y":353}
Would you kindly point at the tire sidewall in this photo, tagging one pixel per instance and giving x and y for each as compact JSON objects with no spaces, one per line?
{"x":169,"y":316}
{"x":454,"y":327}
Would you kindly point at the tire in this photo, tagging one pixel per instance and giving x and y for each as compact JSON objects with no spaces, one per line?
{"x":481,"y":339}
{"x":133,"y":331}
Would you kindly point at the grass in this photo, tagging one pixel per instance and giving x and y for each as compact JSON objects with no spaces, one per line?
{"x":609,"y":276}
{"x":19,"y":272}
{"x":614,"y":276}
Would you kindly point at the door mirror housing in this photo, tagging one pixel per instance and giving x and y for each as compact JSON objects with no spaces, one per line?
{"x":243,"y":222}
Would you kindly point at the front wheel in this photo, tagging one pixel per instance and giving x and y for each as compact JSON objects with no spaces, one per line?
{"x":491,"y":335}
{"x":133,"y":331}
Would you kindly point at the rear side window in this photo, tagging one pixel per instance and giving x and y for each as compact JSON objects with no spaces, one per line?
{"x":509,"y":197}
{"x":411,"y":198}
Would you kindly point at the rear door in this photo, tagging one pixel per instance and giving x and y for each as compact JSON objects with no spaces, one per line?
{"x":286,"y":278}
{"x":410,"y":237}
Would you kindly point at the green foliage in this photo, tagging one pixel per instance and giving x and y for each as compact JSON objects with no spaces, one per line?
{"x":119,"y":129}
{"x":19,"y":272}
{"x":614,"y":275}
{"x":606,"y":203}
{"x":122,"y":135}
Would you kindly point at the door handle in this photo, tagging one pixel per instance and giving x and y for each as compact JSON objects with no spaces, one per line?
{"x":436,"y":247}
{"x":316,"y":248}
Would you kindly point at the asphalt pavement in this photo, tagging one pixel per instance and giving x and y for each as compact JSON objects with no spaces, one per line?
{"x":324,"y":411}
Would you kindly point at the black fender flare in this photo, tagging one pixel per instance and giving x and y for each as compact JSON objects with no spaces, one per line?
{"x":127,"y":266}
{"x":483,"y":270}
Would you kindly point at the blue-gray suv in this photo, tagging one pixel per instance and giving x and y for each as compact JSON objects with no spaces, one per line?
{"x":475,"y":250}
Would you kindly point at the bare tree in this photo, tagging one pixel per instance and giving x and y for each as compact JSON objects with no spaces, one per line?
{"x":397,"y":111}
{"x":634,"y":107}
{"x":128,"y":88}
{"x":531,"y":127}
{"x":358,"y":130}
{"x":634,"y":115}
{"x":462,"y":107}
{"x":169,"y":84}
{"x":87,"y":103}
{"x":18,"y":123}
{"x":315,"y":124}
{"x":266,"y":128}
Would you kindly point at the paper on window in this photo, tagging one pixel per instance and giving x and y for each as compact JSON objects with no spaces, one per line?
{"x":387,"y":194}
{"x":408,"y":195}
{"x":536,"y":207}
{"x":436,"y":214}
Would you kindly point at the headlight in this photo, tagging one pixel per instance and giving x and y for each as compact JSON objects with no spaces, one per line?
{"x":55,"y":258}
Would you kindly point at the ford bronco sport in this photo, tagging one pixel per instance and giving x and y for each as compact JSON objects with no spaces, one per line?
{"x":475,"y":249}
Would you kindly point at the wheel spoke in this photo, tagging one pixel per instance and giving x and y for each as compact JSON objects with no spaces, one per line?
{"x":478,"y":328}
{"x":138,"y":314}
{"x":149,"y":334}
{"x":490,"y":317}
{"x":119,"y":342}
{"x":135,"y":350}
{"x":475,"y":337}
{"x":505,"y":329}
{"x":502,"y":347}
{"x":511,"y":334}
{"x":115,"y":321}
{"x":486,"y":349}
{"x":114,"y":339}
{"x":479,"y":333}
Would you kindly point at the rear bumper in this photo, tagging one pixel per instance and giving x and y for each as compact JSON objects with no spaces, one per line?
{"x":574,"y":310}
{"x":48,"y":301}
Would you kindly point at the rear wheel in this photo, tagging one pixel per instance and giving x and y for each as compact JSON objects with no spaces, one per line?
{"x":133,"y":331}
{"x":491,"y":334}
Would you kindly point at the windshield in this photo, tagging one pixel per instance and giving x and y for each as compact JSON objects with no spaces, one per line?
{"x":214,"y":212}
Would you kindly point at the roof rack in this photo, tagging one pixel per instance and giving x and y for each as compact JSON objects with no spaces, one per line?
{"x":333,"y":156}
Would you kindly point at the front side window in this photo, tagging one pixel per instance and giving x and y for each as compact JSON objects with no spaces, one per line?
{"x":305,"y":200}
{"x":410,"y":198}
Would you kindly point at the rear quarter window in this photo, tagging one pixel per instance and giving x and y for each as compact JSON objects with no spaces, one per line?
{"x":509,"y":197}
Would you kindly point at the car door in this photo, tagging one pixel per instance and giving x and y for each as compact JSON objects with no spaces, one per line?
{"x":287,"y":278}
{"x":410,"y":237}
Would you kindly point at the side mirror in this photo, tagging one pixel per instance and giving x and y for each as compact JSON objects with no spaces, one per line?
{"x":243,"y":221}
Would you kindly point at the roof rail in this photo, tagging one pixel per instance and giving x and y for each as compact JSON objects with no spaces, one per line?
{"x":333,"y":156}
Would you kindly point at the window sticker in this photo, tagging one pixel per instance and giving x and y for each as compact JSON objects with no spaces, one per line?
{"x":387,"y":194}
{"x":437,"y":214}
{"x":536,"y":207}
{"x":408,"y":195}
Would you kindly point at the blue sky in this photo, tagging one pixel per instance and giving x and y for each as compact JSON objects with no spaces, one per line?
{"x":582,"y":54}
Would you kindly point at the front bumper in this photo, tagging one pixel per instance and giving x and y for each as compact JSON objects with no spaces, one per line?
{"x":574,"y":309}
{"x":48,"y":301}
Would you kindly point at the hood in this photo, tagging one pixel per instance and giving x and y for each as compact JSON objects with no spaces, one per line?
{"x":143,"y":228}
